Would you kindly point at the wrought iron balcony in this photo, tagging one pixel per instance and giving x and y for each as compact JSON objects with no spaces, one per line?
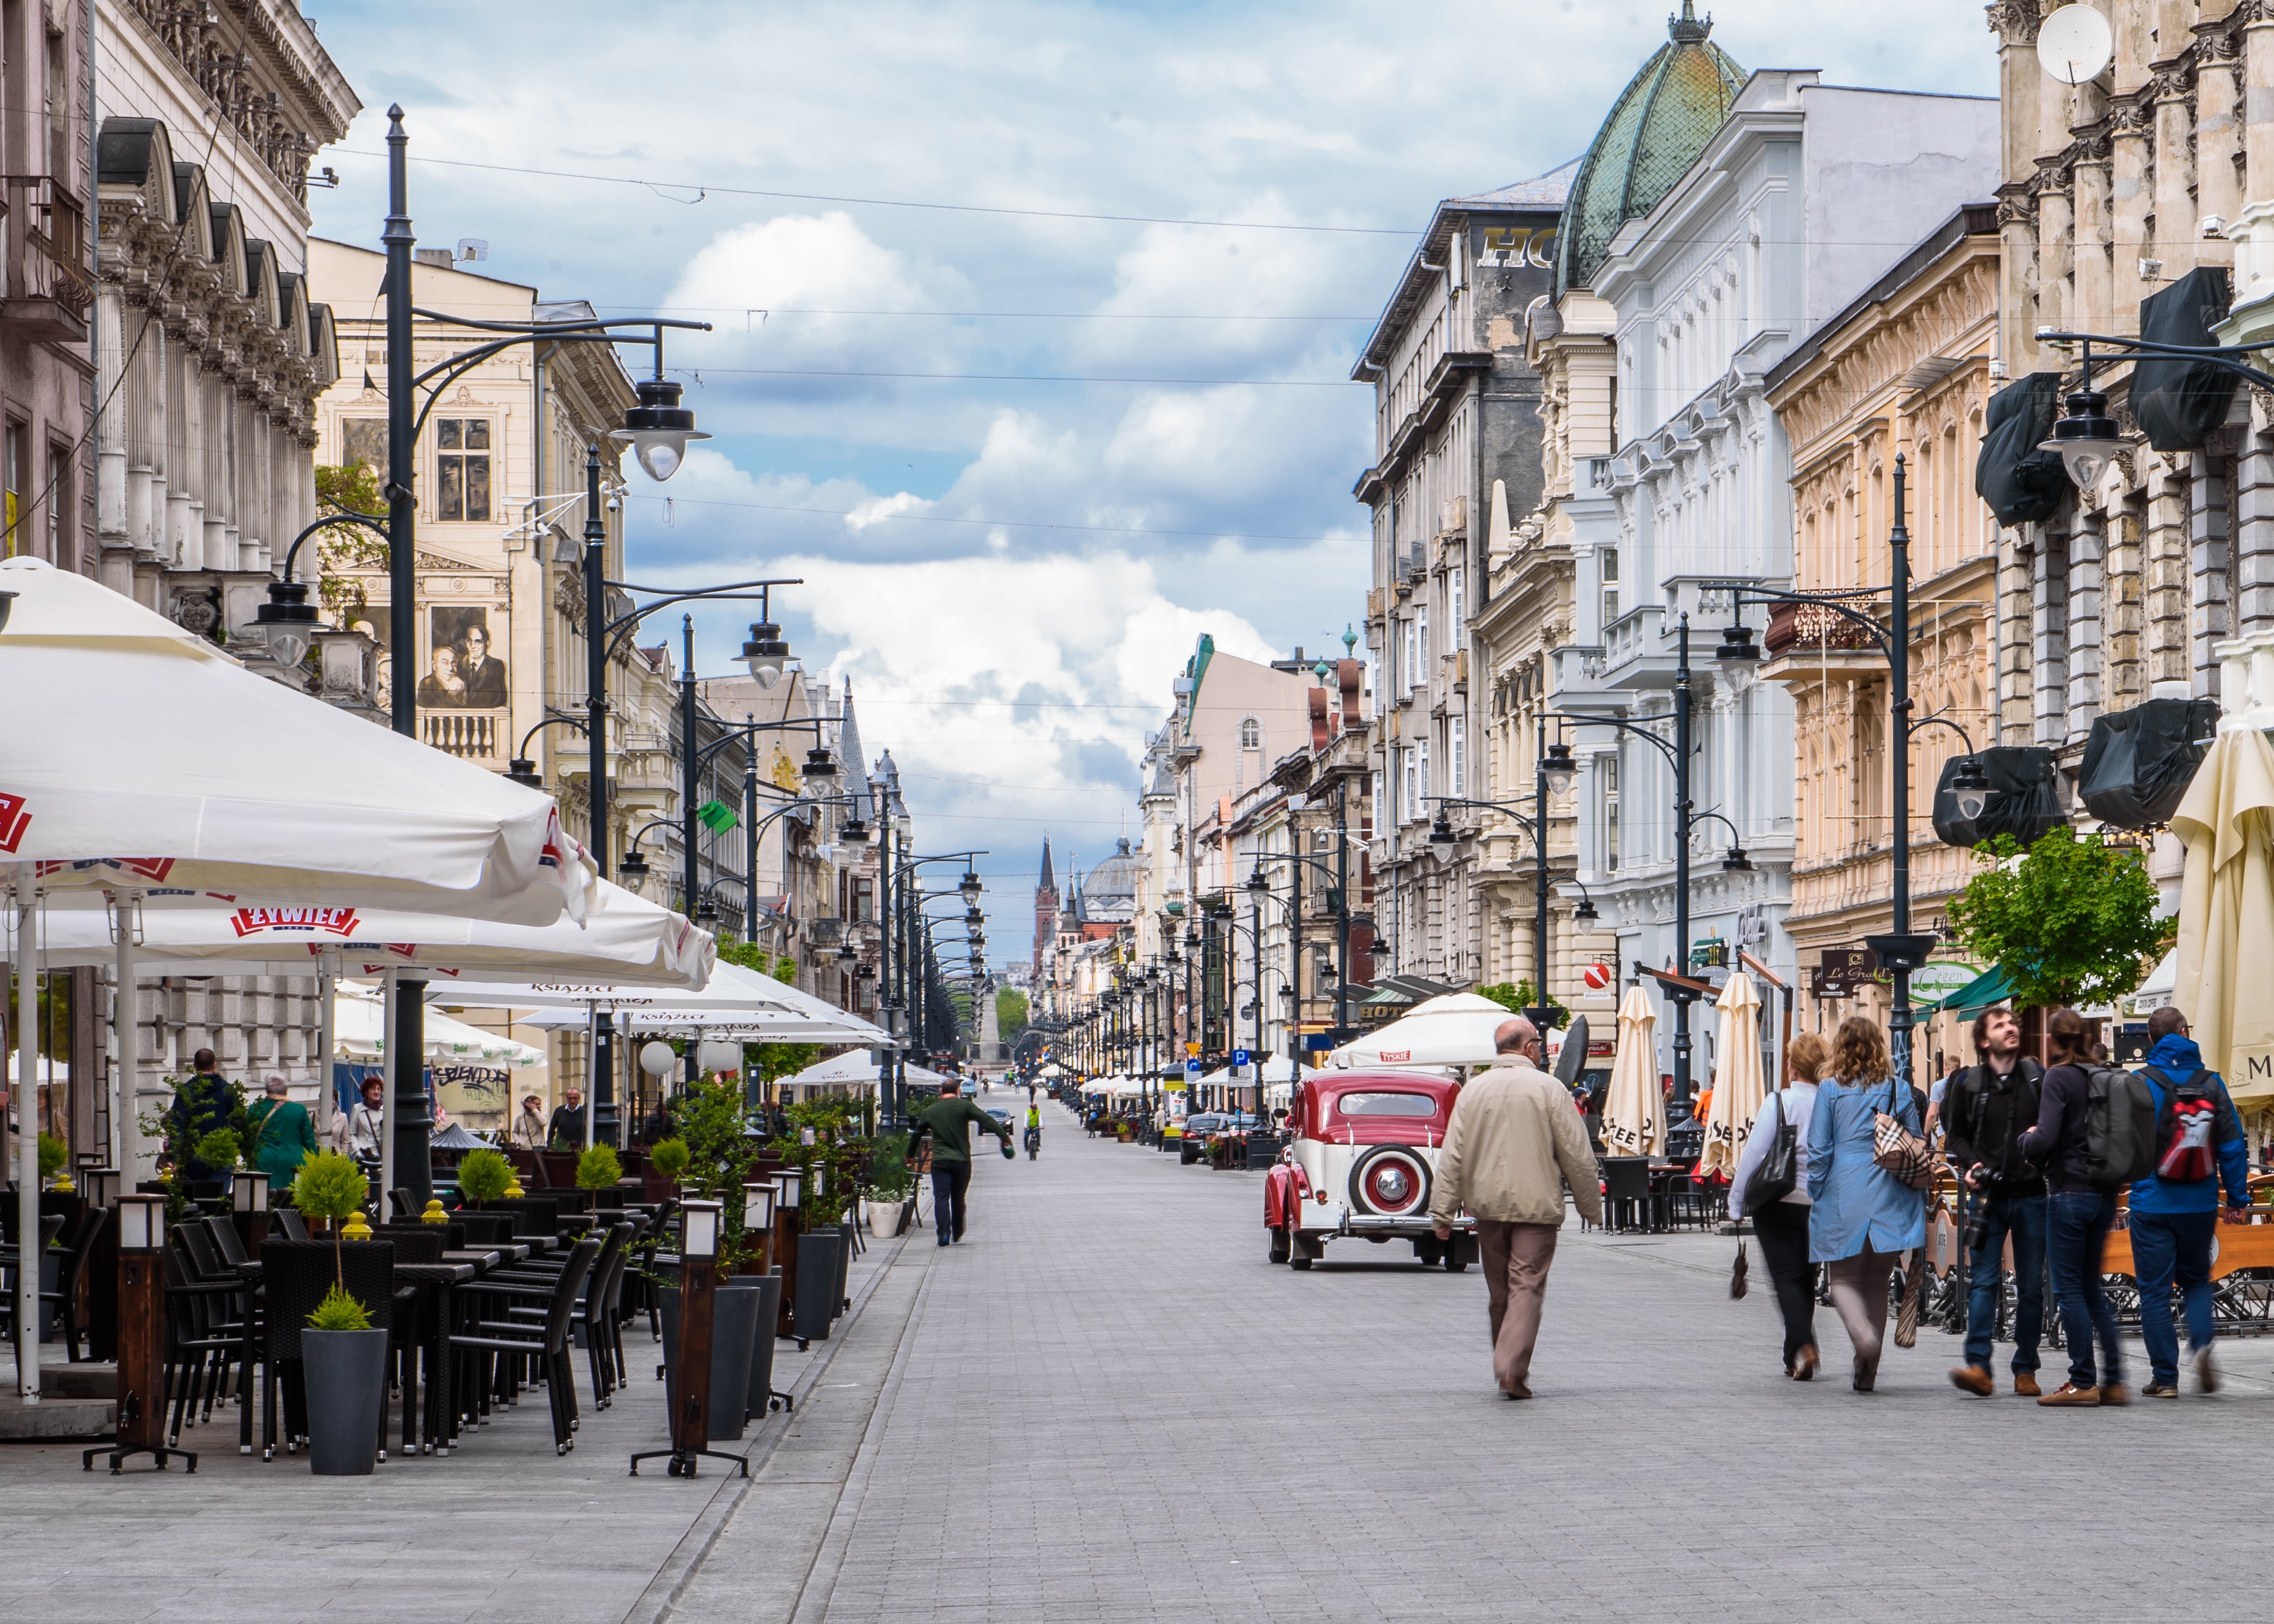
{"x":43,"y":245}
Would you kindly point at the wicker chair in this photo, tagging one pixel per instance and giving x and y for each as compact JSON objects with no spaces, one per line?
{"x":73,"y":1278}
{"x":506,"y":1342}
{"x":295,"y":1275}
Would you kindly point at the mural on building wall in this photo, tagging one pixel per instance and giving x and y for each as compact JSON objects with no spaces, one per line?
{"x":462,"y":673}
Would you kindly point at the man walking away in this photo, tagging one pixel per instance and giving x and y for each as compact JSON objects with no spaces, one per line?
{"x":948,"y":1120}
{"x":2199,"y":1146}
{"x":2078,"y":1210}
{"x":1986,"y":1109}
{"x":1514,"y":1142}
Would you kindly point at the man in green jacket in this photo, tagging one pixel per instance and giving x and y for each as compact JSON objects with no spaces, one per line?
{"x":948,"y":1120}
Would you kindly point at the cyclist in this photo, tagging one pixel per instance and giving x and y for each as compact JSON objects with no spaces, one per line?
{"x":1034,"y":1130}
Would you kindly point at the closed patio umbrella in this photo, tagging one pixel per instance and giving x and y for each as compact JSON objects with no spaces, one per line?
{"x":1634,"y":1112}
{"x":1737,"y":1083}
{"x":2224,"y":977}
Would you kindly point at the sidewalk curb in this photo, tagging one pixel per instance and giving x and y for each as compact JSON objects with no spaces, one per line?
{"x":670,"y":1579}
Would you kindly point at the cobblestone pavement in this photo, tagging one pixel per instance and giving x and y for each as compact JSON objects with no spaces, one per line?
{"x":1107,"y":1406}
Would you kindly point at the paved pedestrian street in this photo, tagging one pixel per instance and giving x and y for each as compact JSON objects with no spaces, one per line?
{"x":1107,"y":1405}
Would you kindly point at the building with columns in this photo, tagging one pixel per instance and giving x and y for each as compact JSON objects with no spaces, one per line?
{"x":1793,"y":206}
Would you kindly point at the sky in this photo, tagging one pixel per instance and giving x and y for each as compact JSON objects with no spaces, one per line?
{"x":1032,"y":323}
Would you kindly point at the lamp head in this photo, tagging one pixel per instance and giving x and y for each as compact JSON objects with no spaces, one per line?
{"x":766,"y":654}
{"x":707,"y":913}
{"x":659,"y":428}
{"x":1557,"y":767}
{"x":1585,"y":911}
{"x":854,"y":832}
{"x":1440,"y":830}
{"x":1256,"y":882}
{"x":633,"y":868}
{"x":2086,"y":437}
{"x":288,"y":620}
{"x":819,"y":764}
{"x":970,"y":886}
{"x":1738,"y":651}
{"x":522,"y":771}
{"x":1737,"y":862}
{"x":1971,"y":787}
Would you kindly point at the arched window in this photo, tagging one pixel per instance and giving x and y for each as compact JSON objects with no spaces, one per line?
{"x":1251,"y":734}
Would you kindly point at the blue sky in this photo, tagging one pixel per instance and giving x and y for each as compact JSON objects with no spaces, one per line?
{"x":1010,"y":568}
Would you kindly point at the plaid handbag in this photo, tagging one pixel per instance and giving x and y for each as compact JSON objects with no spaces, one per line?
{"x":1899,"y":1150}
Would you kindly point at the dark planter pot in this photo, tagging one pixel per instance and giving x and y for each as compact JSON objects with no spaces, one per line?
{"x":767,"y":1289}
{"x":346,"y":1375}
{"x":734,"y":1327}
{"x":818,"y":1291}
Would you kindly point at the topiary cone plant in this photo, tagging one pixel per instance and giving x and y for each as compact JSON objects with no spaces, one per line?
{"x":483,"y":1176}
{"x":598,"y":1167}
{"x":331,"y":1187}
{"x":670,"y":1157}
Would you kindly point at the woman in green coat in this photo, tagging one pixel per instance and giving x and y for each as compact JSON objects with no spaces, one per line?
{"x":283,"y":1136}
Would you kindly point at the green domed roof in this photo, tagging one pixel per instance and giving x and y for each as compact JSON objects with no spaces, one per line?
{"x":1658,"y":126}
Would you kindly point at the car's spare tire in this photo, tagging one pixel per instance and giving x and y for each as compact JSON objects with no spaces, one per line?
{"x":1391,"y":1181}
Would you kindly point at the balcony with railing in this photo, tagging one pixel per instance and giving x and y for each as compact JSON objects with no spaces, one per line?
{"x":46,"y":294}
{"x":478,"y":736}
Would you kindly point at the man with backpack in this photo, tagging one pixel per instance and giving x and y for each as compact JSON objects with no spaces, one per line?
{"x":1985,"y":1111}
{"x":2199,"y":1146}
{"x":2091,"y":1145}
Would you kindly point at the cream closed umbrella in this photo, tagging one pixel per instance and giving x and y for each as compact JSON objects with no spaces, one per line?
{"x":1634,"y":1111}
{"x":1737,"y":1084}
{"x":2224,"y":978}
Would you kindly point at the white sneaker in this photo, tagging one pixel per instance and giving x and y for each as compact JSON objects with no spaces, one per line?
{"x":2206,"y":1372}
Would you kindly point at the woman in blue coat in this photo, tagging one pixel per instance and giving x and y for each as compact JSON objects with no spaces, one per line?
{"x":1862,"y":1217}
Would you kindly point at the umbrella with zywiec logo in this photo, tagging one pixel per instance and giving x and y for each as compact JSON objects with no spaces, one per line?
{"x":1634,"y":1109}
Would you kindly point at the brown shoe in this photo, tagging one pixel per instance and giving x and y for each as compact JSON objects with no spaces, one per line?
{"x":1866,"y":1375}
{"x":2025,"y":1384}
{"x":2115,"y":1393}
{"x":1973,"y":1378}
{"x":1803,"y":1368}
{"x":1518,"y":1391}
{"x":2069,"y":1393}
{"x":2206,"y":1372}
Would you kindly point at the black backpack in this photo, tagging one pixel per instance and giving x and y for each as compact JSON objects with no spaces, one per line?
{"x":2119,"y":1128}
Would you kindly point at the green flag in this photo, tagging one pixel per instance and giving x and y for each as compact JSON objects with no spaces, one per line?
{"x":717,"y":816}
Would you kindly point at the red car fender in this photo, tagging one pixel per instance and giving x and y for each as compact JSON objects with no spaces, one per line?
{"x":1284,"y":1189}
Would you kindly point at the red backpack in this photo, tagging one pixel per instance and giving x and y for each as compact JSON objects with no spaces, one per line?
{"x":2186,"y":1151}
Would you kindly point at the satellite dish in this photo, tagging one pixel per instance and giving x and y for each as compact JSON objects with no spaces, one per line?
{"x":2075,"y":44}
{"x":1572,"y":1058}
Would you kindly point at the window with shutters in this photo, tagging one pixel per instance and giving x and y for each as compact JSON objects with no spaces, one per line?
{"x":1456,"y":779}
{"x":461,"y":468}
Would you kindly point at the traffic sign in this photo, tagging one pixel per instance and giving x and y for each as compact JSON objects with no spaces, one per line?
{"x":1192,"y":1070}
{"x":1240,"y":1056}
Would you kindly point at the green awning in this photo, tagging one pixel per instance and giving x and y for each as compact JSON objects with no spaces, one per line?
{"x":1984,"y":991}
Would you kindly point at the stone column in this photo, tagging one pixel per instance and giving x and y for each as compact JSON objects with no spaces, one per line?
{"x":2209,"y":622}
{"x":2049,"y":640}
{"x":2176,"y":214}
{"x":2218,"y":134}
{"x":2015,"y":679}
{"x":2124,"y":685}
{"x":2084,"y":646}
{"x":2091,"y":273}
{"x":2131,"y":202}
{"x":2251,"y":568}
{"x":2165,"y":586}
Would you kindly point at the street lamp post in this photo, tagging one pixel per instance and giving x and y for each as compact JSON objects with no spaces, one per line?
{"x":1902,"y":950}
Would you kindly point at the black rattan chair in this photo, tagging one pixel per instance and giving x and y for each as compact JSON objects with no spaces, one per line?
{"x":504,"y":1341}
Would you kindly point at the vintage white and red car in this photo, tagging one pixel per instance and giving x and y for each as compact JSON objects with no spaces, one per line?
{"x":1360,"y":1161}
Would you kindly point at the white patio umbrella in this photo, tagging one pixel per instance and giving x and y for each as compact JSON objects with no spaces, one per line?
{"x":858,"y":1067}
{"x":154,"y":763}
{"x":1737,"y":1083}
{"x":734,"y":1004}
{"x":154,"y":766}
{"x":1634,"y":1113}
{"x":359,"y":1032}
{"x":1453,"y":1029}
{"x":2224,"y":978}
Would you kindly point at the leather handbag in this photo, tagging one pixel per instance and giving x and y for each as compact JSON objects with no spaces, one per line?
{"x":1899,"y":1150}
{"x":1777,"y":1173}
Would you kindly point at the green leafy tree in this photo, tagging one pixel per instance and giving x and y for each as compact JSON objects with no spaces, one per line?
{"x":52,"y":1156}
{"x":769,"y":1061}
{"x":2072,"y":921}
{"x":1010,"y":1014}
{"x":352,"y":487}
{"x":598,"y":1168}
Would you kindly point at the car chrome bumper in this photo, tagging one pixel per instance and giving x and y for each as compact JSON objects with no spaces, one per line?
{"x":1346,"y":1222}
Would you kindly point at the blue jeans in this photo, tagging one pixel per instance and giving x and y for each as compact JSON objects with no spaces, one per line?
{"x":2076,"y":1233}
{"x":2023,"y":1217}
{"x":2169,"y":1248}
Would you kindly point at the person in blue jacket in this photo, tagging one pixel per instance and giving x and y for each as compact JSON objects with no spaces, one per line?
{"x":2174,"y":1223}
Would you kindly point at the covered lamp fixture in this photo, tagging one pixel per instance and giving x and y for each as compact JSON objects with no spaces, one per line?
{"x":1971,"y":786}
{"x":1558,"y":768}
{"x":699,"y":1232}
{"x":659,"y":428}
{"x":2086,"y":436}
{"x":288,"y":622}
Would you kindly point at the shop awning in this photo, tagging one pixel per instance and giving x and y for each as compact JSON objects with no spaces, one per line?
{"x":1984,"y":991}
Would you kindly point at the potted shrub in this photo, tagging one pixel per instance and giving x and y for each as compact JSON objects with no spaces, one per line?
{"x":598,"y":1168}
{"x":343,"y":1355}
{"x":669,"y":1158}
{"x":891,"y":1182}
{"x":52,"y":1157}
{"x":485,"y":1175}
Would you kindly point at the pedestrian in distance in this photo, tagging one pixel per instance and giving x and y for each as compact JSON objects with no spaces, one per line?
{"x":204,"y":1102}
{"x":1781,"y":1226}
{"x":567,"y":1128}
{"x":2078,"y":1210}
{"x":1862,"y":1217}
{"x":1987,"y":1108}
{"x":359,"y":1132}
{"x":1513,"y":1144}
{"x":529,"y":1129}
{"x":948,"y":1121}
{"x":2199,"y":1146}
{"x":282,"y":1135}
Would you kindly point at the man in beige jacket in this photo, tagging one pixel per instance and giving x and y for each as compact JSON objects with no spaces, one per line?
{"x":1514,"y":1142}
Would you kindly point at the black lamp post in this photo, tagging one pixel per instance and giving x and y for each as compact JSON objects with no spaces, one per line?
{"x":1902,"y":950}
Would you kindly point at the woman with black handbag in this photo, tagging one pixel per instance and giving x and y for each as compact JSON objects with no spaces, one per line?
{"x":1770,"y":1183}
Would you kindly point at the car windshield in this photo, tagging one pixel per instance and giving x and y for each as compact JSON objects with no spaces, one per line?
{"x":1387,"y":1105}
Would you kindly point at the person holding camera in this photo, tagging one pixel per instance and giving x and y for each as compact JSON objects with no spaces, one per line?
{"x":1986,"y":1109}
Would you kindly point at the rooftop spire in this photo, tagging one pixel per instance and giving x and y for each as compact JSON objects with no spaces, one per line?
{"x":1686,"y":29}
